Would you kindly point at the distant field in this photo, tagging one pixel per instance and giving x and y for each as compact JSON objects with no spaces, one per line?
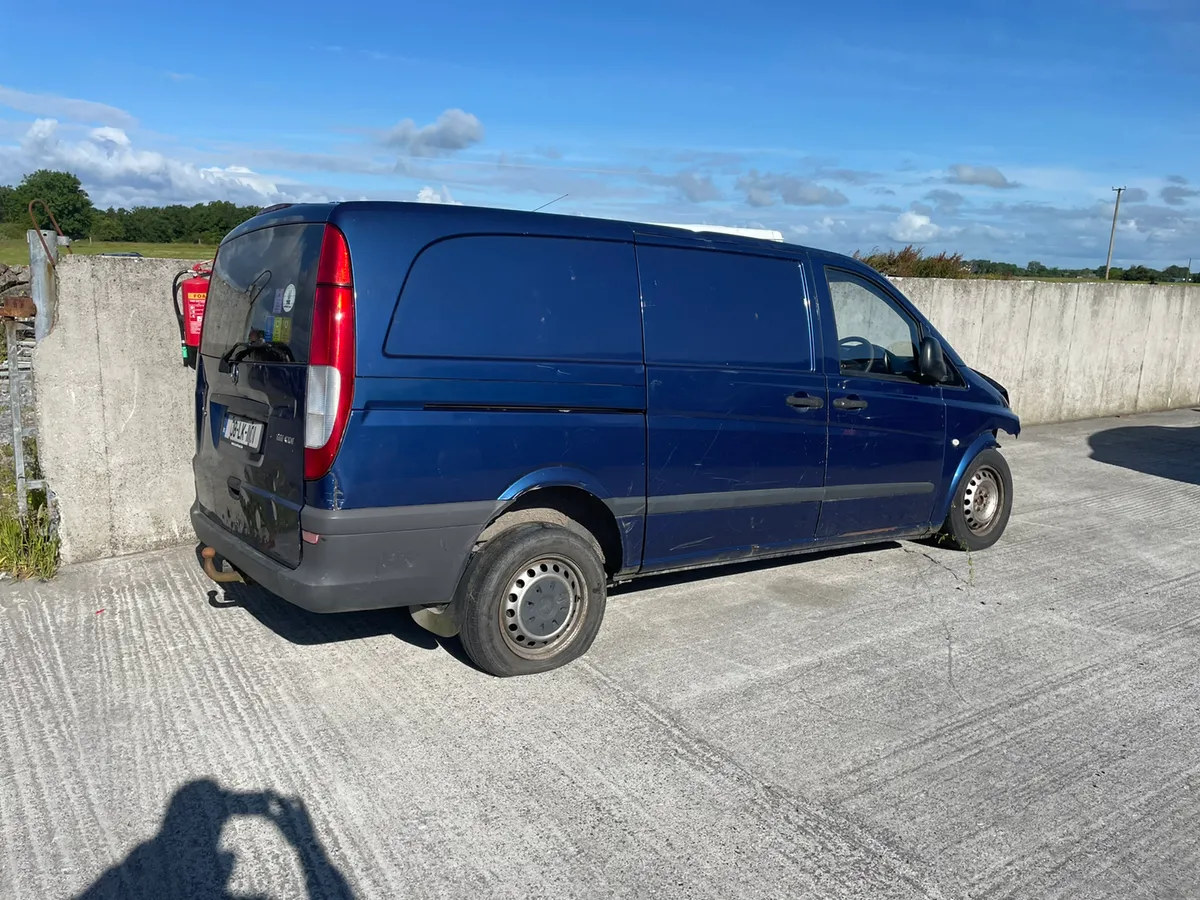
{"x":16,"y":252}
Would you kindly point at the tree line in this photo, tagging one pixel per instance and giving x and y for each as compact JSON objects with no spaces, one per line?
{"x":1035,"y":269}
{"x":203,"y":223}
{"x":911,"y":262}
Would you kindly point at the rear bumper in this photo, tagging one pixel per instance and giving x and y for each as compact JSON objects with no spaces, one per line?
{"x":368,"y":559}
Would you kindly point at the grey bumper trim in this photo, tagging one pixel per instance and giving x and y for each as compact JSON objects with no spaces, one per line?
{"x":393,"y":519}
{"x":350,"y":572}
{"x":623,"y":507}
{"x":677,"y":503}
{"x":873,"y":491}
{"x":398,"y":518}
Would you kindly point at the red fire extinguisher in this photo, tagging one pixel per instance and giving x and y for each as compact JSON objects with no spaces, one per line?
{"x":190,"y":295}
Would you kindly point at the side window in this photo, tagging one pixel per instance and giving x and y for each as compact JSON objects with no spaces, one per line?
{"x":524,"y":298}
{"x":874,"y":335}
{"x":708,"y":307}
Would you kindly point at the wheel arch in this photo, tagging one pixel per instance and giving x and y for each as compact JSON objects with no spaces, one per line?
{"x":554,"y":502}
{"x":985,"y":441}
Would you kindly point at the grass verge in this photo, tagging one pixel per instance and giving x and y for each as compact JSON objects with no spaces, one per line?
{"x":16,"y":252}
{"x":28,"y":549}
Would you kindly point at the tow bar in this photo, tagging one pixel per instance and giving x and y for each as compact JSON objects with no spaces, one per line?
{"x":210,"y":569}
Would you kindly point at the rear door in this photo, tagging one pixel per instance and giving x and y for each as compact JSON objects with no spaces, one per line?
{"x":249,"y":463}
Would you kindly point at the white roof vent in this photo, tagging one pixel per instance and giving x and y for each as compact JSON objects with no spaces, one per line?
{"x":763,"y":234}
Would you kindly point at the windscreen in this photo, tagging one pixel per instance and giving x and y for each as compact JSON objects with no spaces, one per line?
{"x":260,"y":298}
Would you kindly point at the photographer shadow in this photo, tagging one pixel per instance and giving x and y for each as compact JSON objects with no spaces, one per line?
{"x":184,"y":860}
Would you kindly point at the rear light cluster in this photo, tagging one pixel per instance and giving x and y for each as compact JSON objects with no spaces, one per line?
{"x":331,"y":357}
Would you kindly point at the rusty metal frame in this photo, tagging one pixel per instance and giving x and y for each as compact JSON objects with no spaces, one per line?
{"x":38,"y":228}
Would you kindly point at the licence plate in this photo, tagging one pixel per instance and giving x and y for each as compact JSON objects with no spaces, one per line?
{"x":242,"y":432}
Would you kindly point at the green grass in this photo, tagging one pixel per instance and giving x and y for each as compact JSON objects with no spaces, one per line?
{"x":28,"y":549}
{"x":16,"y":252}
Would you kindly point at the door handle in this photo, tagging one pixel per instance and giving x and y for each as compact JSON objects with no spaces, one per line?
{"x":851,"y":402}
{"x":801,"y":400}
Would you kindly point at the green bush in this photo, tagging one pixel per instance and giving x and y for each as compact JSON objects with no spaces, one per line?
{"x":911,"y":262}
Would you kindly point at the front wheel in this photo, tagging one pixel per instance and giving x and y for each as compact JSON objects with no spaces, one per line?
{"x":982,"y":503}
{"x":532,"y":599}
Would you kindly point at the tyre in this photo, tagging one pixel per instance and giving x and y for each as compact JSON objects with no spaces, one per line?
{"x":532,"y":599}
{"x":982,"y":503}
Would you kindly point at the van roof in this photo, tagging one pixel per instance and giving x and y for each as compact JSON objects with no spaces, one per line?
{"x":521,"y":220}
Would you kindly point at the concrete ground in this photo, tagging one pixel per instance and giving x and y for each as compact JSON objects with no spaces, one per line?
{"x":900,"y":722}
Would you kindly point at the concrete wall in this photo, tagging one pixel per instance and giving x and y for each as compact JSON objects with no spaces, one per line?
{"x":115,"y":403}
{"x":114,"y":408}
{"x":1072,"y":351}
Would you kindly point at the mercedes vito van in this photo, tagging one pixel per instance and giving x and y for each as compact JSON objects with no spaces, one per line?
{"x":490,"y":416}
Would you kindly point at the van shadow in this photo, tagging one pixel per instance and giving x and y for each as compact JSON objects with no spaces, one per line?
{"x":1172,"y":453}
{"x":184,"y":860}
{"x":299,"y":626}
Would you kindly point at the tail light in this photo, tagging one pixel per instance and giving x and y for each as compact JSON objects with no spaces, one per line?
{"x":330,"y":357}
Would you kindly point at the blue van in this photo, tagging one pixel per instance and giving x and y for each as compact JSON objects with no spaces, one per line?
{"x":490,"y":416}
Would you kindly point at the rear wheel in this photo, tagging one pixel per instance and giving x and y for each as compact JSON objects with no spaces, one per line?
{"x":982,"y":503}
{"x":532,"y":599}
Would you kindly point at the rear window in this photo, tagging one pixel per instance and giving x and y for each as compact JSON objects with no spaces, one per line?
{"x":261,"y":294}
{"x":516,"y":297}
{"x":706,"y":307}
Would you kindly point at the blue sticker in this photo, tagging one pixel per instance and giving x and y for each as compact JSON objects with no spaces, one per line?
{"x":270,"y":328}
{"x":278,"y":308}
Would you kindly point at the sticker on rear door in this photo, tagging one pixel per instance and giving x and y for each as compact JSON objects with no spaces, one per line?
{"x":281,"y":331}
{"x":289,"y":297}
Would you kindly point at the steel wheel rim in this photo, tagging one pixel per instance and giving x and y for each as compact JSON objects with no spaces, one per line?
{"x":983,"y":499}
{"x":543,"y":607}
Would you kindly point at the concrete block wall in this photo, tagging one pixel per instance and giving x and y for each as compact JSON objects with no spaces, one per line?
{"x":115,"y":409}
{"x":115,"y":404}
{"x":1070,"y":350}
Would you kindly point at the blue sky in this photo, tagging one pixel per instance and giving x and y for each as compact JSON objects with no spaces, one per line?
{"x":995,"y":128}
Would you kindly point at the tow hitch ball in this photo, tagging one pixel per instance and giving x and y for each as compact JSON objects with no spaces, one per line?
{"x":210,"y":568}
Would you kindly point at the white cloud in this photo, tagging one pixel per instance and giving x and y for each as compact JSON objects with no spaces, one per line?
{"x":692,"y":186}
{"x":114,"y":172}
{"x":51,"y":106}
{"x":948,"y":202}
{"x":454,"y":130}
{"x":987,"y":176}
{"x":428,"y":194}
{"x":763,"y":189}
{"x":697,"y":188}
{"x":848,"y":176}
{"x":1177,"y":193}
{"x":913,"y":228}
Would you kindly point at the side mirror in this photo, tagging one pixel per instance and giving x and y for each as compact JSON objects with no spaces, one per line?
{"x":931,"y":361}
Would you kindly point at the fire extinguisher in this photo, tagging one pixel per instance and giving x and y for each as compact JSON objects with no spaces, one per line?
{"x":189,"y":290}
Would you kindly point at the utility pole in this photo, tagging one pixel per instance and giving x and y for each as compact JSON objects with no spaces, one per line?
{"x":1113,"y":237}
